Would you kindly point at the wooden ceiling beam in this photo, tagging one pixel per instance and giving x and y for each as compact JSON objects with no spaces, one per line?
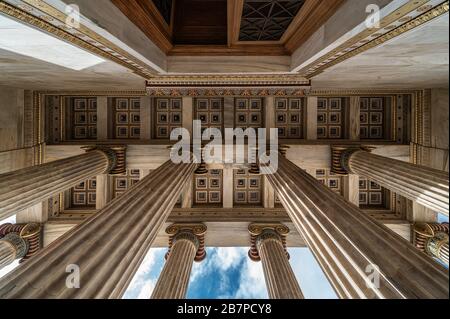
{"x":310,"y":18}
{"x":235,"y":8}
{"x":145,"y":16}
{"x":219,"y":50}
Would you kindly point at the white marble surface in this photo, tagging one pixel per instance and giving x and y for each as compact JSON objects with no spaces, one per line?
{"x":417,"y":59}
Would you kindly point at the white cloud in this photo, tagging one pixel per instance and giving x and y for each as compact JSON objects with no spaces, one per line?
{"x":146,"y":290}
{"x":227,"y":258}
{"x":144,"y":281}
{"x":252,"y":284}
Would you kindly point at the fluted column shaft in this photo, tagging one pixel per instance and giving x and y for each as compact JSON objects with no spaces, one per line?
{"x":8,"y":252}
{"x":108,"y":247}
{"x":26,"y":187}
{"x":174,"y":279}
{"x":426,"y":186}
{"x":280,"y":278}
{"x":360,"y":257}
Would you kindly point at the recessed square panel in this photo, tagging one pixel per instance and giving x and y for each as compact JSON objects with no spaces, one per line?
{"x":240,"y":197}
{"x":92,"y":185}
{"x":322,"y":104}
{"x":376,"y":199}
{"x":254,"y":197}
{"x":203,"y":117}
{"x":335,"y":105}
{"x":79,"y":199}
{"x":80,"y":105}
{"x":376,"y":132}
{"x":80,"y":132}
{"x":92,"y":105}
{"x":335,"y":132}
{"x":364,"y":104}
{"x":281,"y":117}
{"x":254,"y":183}
{"x":242,"y":118}
{"x":135,"y":118}
{"x":122,"y":131}
{"x":216,"y":105}
{"x":80,"y":187}
{"x":334,"y":183}
{"x":376,"y":104}
{"x":135,"y":131}
{"x":334,"y":118}
{"x":175,"y":105}
{"x":363,"y":200}
{"x":162,"y":132}
{"x":374,"y":186}
{"x":122,"y":118}
{"x":92,"y":198}
{"x":364,"y":118}
{"x":294,"y":118}
{"x":295,"y":104}
{"x":122,"y":104}
{"x":376,"y":118}
{"x":163,"y":118}
{"x":135,"y":104}
{"x":81,"y":118}
{"x":202,"y":105}
{"x":92,"y":118}
{"x":175,"y":118}
{"x":255,"y":105}
{"x":364,"y":132}
{"x":255,"y":118}
{"x":321,"y":132}
{"x":242,"y":104}
{"x":201,"y":182}
{"x":216,"y":118}
{"x":241,"y":183}
{"x":294,"y":132}
{"x":162,"y":105}
{"x":214,"y":197}
{"x":282,"y":133}
{"x":363,"y":185}
{"x":214,"y":183}
{"x":201,"y":197}
{"x":282,"y":105}
{"x":121,"y":183}
{"x":322,"y":118}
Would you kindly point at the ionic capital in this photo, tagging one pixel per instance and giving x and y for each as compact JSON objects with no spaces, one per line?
{"x":116,"y":155}
{"x":261,"y":232}
{"x":24,"y":238}
{"x":340,"y":156}
{"x":192,"y":232}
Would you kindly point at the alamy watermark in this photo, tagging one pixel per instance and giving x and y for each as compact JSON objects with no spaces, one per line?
{"x":232,"y":152}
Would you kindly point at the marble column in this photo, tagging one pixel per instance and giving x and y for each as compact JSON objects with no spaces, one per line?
{"x":174,"y":279}
{"x":432,"y":239}
{"x":18,"y":242}
{"x":107,"y":248}
{"x":271,"y":250}
{"x":29,"y":186}
{"x":360,"y":257}
{"x":426,"y":186}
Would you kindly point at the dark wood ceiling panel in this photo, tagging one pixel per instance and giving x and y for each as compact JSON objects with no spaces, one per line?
{"x":165,"y":8}
{"x":200,"y":22}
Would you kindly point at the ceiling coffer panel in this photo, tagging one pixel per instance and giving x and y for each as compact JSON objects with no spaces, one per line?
{"x":267,"y":20}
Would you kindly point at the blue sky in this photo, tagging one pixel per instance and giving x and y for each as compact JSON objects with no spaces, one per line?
{"x":228,"y":273}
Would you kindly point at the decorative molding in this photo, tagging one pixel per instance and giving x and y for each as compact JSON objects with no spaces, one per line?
{"x":197,"y":230}
{"x":408,"y":17}
{"x":26,"y":238}
{"x":50,"y":20}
